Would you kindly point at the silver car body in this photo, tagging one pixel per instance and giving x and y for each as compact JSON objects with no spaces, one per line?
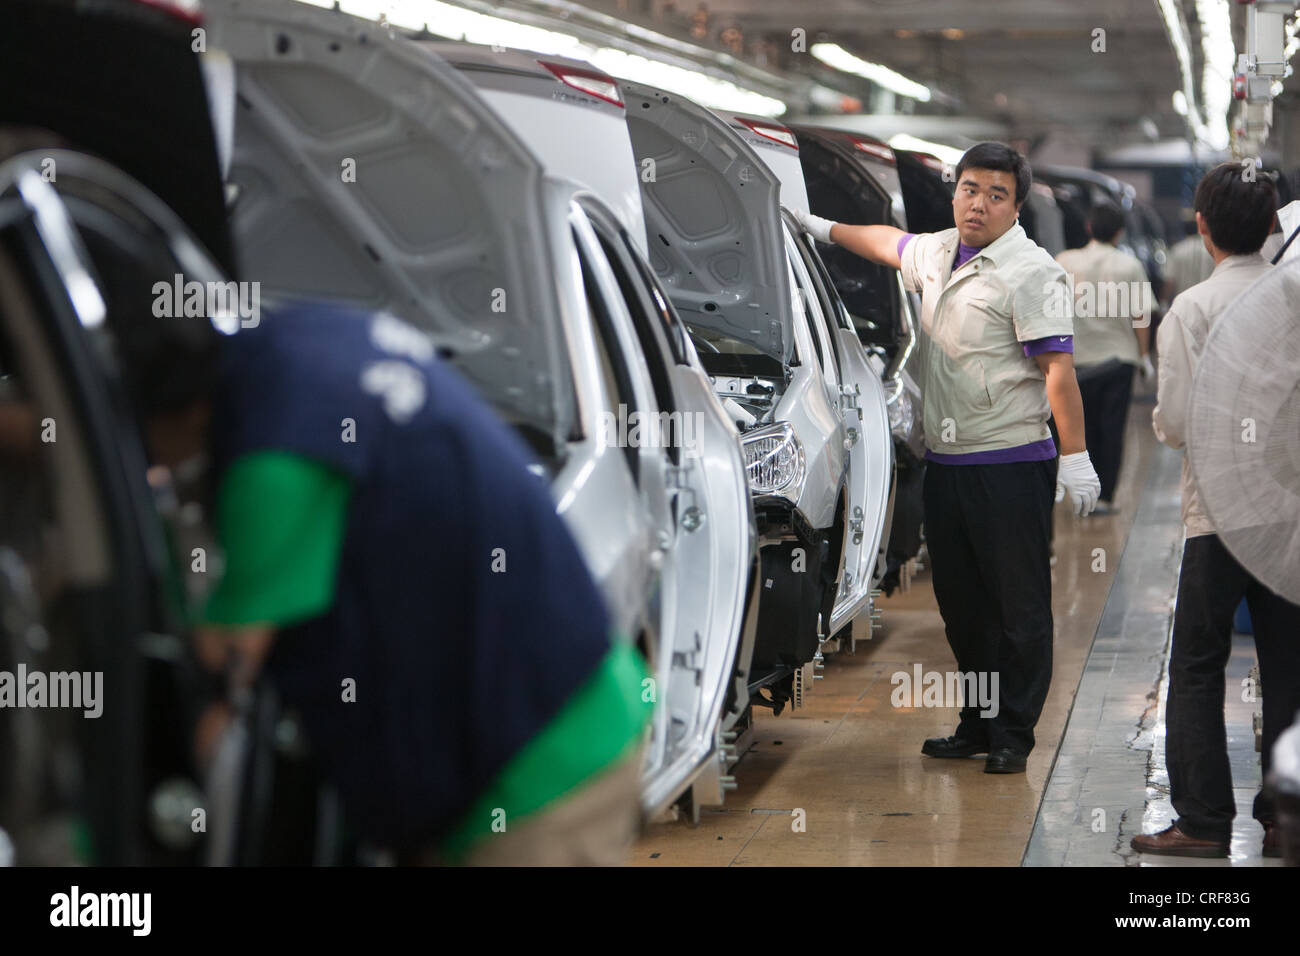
{"x":857,"y":176}
{"x":706,"y":573}
{"x":439,"y":220}
{"x":706,"y":543}
{"x":865,"y":411}
{"x":566,"y":111}
{"x":849,"y":371}
{"x":704,"y":193}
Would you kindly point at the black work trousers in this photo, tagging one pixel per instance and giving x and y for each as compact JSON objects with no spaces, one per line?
{"x":1211,"y":583}
{"x":987,"y":530}
{"x":1107,"y":390}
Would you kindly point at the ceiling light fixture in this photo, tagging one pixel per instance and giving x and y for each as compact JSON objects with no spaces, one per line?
{"x":946,"y":154}
{"x":835,"y":56}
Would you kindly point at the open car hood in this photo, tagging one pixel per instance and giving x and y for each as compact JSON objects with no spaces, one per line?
{"x":713,"y":220}
{"x":567,"y":111}
{"x":370,"y":172}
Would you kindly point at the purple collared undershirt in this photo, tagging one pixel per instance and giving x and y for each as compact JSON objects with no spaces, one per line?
{"x":1034,"y":451}
{"x":964,"y":252}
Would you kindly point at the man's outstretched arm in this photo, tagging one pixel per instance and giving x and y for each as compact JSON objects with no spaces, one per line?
{"x":877,"y":243}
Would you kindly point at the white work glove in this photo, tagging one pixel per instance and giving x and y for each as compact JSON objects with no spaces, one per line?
{"x":816,"y":226}
{"x":1076,"y":475}
{"x":1146,"y":370}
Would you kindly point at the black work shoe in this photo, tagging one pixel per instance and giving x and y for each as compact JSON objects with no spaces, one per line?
{"x":953,"y":746}
{"x":1005,"y":760}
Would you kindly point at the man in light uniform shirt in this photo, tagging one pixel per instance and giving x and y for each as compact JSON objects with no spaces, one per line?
{"x":1234,"y":217}
{"x":1111,"y":315}
{"x":994,"y":362}
{"x":1188,"y":264}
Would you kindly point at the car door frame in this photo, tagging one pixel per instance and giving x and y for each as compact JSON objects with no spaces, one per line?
{"x":871,"y":455}
{"x":715,"y":479}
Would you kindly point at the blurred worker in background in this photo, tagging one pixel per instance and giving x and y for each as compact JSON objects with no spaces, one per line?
{"x":1111,"y":315}
{"x":1188,"y":264}
{"x":1234,"y":216}
{"x":994,"y":362}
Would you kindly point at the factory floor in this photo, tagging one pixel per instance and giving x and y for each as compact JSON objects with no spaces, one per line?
{"x":841,"y":780}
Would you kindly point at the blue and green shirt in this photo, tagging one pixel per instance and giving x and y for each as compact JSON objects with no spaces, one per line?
{"x":437,"y":627}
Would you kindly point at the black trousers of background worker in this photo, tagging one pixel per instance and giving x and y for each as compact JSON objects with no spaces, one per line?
{"x":1107,"y":389}
{"x":987,"y":533}
{"x":1210,"y":586}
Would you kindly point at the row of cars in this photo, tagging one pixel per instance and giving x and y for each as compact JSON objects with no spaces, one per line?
{"x":596,"y":255}
{"x":592,"y":255}
{"x":722,"y":408}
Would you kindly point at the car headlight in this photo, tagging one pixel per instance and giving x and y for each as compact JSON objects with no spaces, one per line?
{"x":902,"y":414}
{"x":774,"y":461}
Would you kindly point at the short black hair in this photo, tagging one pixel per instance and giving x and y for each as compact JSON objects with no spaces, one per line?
{"x":1106,"y":221}
{"x":1238,"y":210}
{"x":999,"y":157}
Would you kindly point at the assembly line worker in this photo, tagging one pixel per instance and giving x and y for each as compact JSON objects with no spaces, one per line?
{"x":994,"y":361}
{"x":1234,"y":217}
{"x":412,"y":592}
{"x":1187,"y":264}
{"x":1107,"y":347}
